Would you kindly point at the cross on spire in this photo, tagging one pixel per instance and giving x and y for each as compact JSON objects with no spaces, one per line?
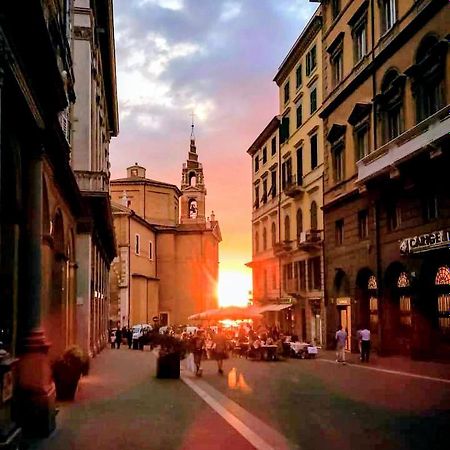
{"x":192,"y":126}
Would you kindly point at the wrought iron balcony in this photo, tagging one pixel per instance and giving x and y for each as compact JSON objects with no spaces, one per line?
{"x":282,"y":247}
{"x":293,"y":187}
{"x":310,"y":240}
{"x":92,"y":181}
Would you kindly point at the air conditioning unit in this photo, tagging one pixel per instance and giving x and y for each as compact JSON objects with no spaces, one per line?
{"x":302,"y":237}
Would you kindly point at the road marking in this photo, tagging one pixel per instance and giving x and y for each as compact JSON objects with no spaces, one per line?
{"x":394,"y":372}
{"x":223,"y":406}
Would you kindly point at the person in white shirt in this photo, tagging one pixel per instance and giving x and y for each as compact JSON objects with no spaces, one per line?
{"x":341,"y":340}
{"x":364,"y":338}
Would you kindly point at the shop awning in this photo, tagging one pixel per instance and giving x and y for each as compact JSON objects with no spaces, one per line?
{"x":274,"y":307}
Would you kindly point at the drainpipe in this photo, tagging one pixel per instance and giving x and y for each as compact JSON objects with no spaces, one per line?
{"x":129,"y":267}
{"x":279,"y":214}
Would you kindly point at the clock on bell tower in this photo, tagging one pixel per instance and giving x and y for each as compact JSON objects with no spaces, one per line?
{"x":192,"y":188}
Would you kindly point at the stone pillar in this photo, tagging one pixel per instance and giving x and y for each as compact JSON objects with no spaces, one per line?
{"x":36,"y":388}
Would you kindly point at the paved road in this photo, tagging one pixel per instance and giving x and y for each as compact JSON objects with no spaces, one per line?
{"x":296,"y":404}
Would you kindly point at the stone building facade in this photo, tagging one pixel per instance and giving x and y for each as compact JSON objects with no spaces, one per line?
{"x":94,"y":121}
{"x":287,"y":169}
{"x":386,"y":201}
{"x":168,"y":249}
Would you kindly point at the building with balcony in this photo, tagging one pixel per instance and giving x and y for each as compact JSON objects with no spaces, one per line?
{"x":386,"y":199}
{"x":40,"y":205}
{"x":93,"y":122}
{"x":168,"y":249}
{"x":287,"y":173}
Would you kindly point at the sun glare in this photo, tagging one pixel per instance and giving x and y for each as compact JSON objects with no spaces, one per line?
{"x":234,"y":288}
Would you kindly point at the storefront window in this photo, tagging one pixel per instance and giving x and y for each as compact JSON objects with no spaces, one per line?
{"x":405,"y":300}
{"x":373,"y":303}
{"x":443,"y":282}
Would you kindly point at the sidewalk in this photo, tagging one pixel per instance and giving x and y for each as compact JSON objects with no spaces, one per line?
{"x":122,"y":405}
{"x":395,"y":363}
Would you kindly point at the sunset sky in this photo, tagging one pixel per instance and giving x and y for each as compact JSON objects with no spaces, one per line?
{"x":216,"y":58}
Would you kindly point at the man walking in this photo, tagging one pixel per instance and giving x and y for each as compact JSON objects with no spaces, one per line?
{"x":364,"y":336}
{"x":341,"y":340}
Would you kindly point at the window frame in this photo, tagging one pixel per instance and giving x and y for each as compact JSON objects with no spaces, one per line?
{"x":137,"y":244}
{"x":299,"y":109}
{"x":316,"y":152}
{"x":311,"y":60}
{"x":360,"y":29}
{"x":150,"y":250}
{"x":392,"y":10}
{"x":298,"y":77}
{"x":363,"y":224}
{"x":286,"y":92}
{"x":312,"y":90}
{"x":361,"y":128}
{"x":338,"y":149}
{"x":339,"y":232}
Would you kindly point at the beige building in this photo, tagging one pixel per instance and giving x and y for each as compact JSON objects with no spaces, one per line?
{"x":94,"y":121}
{"x":386,"y":205}
{"x":287,"y":195}
{"x":168,"y":248}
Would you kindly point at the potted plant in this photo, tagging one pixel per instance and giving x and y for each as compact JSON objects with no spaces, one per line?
{"x":67,"y":371}
{"x":171,"y":351}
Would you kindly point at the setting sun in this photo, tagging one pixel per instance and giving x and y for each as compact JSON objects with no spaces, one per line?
{"x":234,"y":288}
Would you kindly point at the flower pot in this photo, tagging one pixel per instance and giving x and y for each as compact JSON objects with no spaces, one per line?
{"x":168,"y":365}
{"x":66,"y":383}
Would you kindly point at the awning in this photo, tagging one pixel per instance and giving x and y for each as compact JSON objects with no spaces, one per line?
{"x":274,"y":307}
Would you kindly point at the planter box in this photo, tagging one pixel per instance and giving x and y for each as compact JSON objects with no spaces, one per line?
{"x":168,"y":366}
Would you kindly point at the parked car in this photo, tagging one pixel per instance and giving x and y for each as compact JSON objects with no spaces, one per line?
{"x":138,"y":331}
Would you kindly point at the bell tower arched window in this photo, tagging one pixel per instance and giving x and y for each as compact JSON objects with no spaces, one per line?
{"x":192,"y":179}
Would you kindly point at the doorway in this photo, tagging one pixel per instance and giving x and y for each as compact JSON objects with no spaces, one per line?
{"x":345,"y":321}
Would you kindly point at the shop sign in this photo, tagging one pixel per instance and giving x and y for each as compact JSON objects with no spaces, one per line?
{"x":425,"y":242}
{"x":286,"y":300}
{"x":343,"y":301}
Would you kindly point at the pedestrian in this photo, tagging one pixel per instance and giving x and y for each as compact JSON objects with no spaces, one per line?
{"x":364,"y":337}
{"x":220,"y":349}
{"x":198,"y":345}
{"x":341,"y":340}
{"x":130,"y":337}
{"x":118,"y":337}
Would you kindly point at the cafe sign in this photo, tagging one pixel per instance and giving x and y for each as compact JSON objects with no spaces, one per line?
{"x":425,"y":242}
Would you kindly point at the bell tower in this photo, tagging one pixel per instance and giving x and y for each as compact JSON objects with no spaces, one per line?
{"x":192,"y":187}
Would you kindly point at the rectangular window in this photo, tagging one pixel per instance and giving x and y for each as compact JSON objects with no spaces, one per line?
{"x":273,"y":188}
{"x":137,"y":246}
{"x":314,"y":275}
{"x":302,"y":275}
{"x":264,"y":194}
{"x":256,"y":205}
{"x":284,"y":130}
{"x":362,"y":142}
{"x":298,"y":76}
{"x":286,"y":92}
{"x":360,"y":41}
{"x":394,"y":123}
{"x":314,"y":161}
{"x":363,"y":224}
{"x":311,"y":61}
{"x":300,"y":166}
{"x":150,"y":250}
{"x":393,"y":216}
{"x":431,"y":208}
{"x":339,"y":232}
{"x":287,"y":173}
{"x":264,"y":155}
{"x":313,"y":100}
{"x":299,"y":113}
{"x":388,"y":14}
{"x":274,"y":145}
{"x":337,"y":67}
{"x":256,"y":162}
{"x":338,"y":163}
{"x":335,"y":8}
{"x":274,"y":279}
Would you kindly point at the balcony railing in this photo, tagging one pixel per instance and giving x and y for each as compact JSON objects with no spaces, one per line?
{"x":282,"y":247}
{"x":308,"y":240}
{"x":92,"y":181}
{"x":293,"y":187}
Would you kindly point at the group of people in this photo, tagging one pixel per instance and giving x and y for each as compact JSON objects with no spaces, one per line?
{"x":341,"y":337}
{"x":116,"y":337}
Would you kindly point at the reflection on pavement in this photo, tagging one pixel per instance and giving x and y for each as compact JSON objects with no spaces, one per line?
{"x":236,"y":381}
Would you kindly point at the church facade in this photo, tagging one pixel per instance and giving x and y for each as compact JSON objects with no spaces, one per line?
{"x":168,"y":249}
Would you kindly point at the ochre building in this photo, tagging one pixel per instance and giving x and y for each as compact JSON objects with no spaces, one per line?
{"x":386,"y":197}
{"x":168,"y":248}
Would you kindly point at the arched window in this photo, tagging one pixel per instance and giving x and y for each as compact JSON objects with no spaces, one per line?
{"x":299,"y":223}
{"x":428,"y":74}
{"x":373,"y":302}
{"x":192,"y":179}
{"x":264,"y":238}
{"x":287,"y":228}
{"x":256,"y":242}
{"x":390,"y":104}
{"x":313,"y":213}
{"x":403,"y":284}
{"x":193,"y":209}
{"x":442,"y":282}
{"x":274,"y":234}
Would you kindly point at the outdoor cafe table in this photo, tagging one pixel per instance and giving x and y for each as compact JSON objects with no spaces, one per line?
{"x":299,"y":347}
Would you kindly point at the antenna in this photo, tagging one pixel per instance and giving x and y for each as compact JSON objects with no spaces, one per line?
{"x":192,"y":125}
